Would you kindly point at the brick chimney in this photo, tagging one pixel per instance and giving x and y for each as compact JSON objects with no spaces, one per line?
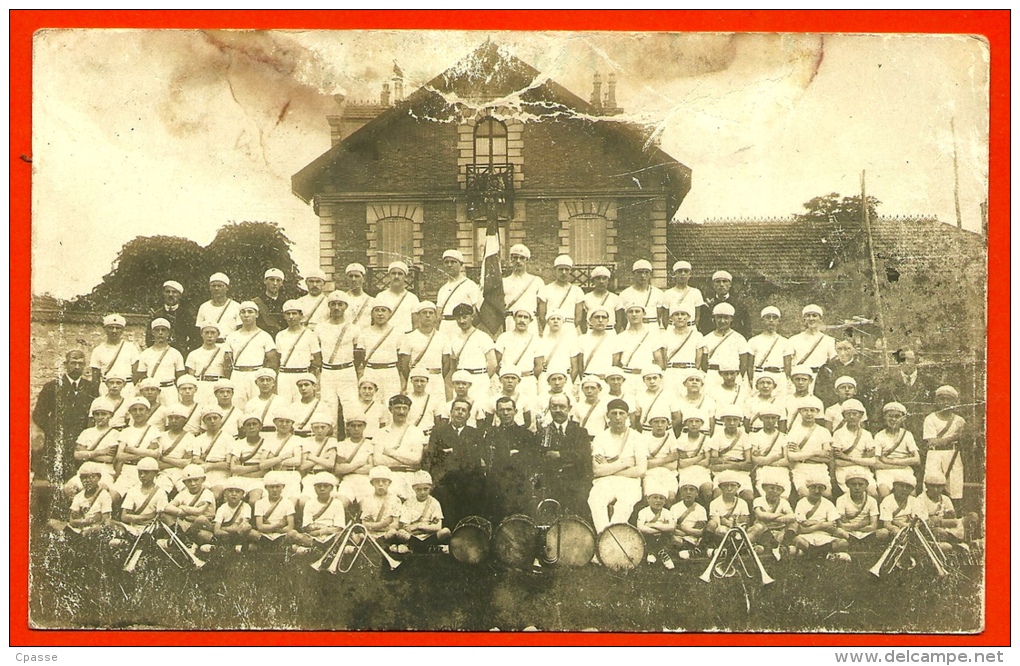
{"x":596,"y":90}
{"x":384,"y":96}
{"x":611,"y":92}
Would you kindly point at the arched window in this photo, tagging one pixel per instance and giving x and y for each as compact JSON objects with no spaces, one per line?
{"x":490,"y":142}
{"x":395,"y":237}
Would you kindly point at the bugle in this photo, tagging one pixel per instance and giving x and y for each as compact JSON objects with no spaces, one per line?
{"x":135,"y":554}
{"x":331,"y":550}
{"x":766,"y":579}
{"x":893,"y":553}
{"x":188,"y":552}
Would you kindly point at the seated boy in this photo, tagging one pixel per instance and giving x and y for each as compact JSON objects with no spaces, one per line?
{"x":92,"y":507}
{"x":726,"y":511}
{"x":322,"y":517}
{"x":691,"y":519}
{"x":232,"y":524}
{"x":380,"y":511}
{"x":947,"y":528}
{"x":657,"y":524}
{"x":775,"y":523}
{"x":900,"y":507}
{"x":142,"y":504}
{"x":858,"y":510}
{"x":274,"y":513}
{"x":421,"y":519}
{"x":896,"y":451}
{"x":816,"y":521}
{"x":190,"y":513}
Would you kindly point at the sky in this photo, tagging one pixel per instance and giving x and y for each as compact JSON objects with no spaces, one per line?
{"x":179,"y":132}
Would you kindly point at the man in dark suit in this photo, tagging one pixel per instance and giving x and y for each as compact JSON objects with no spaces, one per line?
{"x":181,"y":318}
{"x":722,"y":282}
{"x":564,"y":457}
{"x":509,"y":453}
{"x":62,"y":413}
{"x":847,"y":364}
{"x":271,"y":302}
{"x":454,"y":459}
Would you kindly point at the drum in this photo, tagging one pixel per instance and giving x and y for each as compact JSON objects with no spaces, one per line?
{"x":469,"y":542}
{"x":621,"y":547}
{"x":516,"y":541}
{"x":569,"y":541}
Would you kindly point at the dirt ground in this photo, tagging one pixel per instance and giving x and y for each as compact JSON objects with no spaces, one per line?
{"x":263,"y":590}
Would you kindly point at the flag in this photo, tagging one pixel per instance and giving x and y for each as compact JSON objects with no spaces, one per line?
{"x":493,"y":311}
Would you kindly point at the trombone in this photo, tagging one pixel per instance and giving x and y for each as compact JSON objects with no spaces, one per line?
{"x":733,"y":545}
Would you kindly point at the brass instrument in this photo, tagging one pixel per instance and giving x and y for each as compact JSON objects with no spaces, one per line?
{"x":733,"y":545}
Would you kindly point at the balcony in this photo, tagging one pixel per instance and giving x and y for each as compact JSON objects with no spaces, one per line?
{"x":490,"y":184}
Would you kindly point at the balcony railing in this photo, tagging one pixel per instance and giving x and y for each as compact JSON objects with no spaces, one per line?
{"x":490,"y":184}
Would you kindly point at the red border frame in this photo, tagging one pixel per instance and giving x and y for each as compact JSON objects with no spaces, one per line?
{"x":994,"y":25}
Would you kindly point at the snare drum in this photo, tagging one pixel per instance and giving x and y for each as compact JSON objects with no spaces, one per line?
{"x":621,"y":547}
{"x":516,"y":541}
{"x":469,"y":542}
{"x":569,"y":541}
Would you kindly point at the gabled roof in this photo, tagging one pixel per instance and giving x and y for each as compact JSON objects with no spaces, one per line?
{"x":793,"y":250}
{"x":491,"y":74}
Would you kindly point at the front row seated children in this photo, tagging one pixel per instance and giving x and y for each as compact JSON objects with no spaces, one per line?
{"x":691,"y":519}
{"x":730,"y":450}
{"x":896,"y":451}
{"x":274,"y":513}
{"x":775,"y":524}
{"x":726,"y":511}
{"x":190,"y":513}
{"x":232,"y":523}
{"x":92,"y":507}
{"x":899,"y":508}
{"x":693,"y":456}
{"x":816,"y":521}
{"x":322,"y":517}
{"x":945,"y":526}
{"x":656,"y":523}
{"x":421,"y":519}
{"x":857,"y":509}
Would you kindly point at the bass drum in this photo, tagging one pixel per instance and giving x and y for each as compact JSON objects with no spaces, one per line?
{"x":570,"y":542}
{"x":621,"y":547}
{"x":469,"y":542}
{"x":516,"y":541}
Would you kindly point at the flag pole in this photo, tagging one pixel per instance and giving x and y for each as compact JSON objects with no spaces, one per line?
{"x":866,"y":215}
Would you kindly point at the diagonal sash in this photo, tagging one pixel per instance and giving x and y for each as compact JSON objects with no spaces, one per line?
{"x":525,"y":350}
{"x":153,"y":369}
{"x":720,"y":344}
{"x":442,"y":308}
{"x":208,"y":365}
{"x":682,"y":345}
{"x":336,"y":345}
{"x":294,"y":347}
{"x":311,"y":314}
{"x":523,"y":291}
{"x":767,"y":354}
{"x":237,"y":357}
{"x":421,"y":354}
{"x":258,"y":445}
{"x":180,"y":438}
{"x":896,"y":446}
{"x":95,"y":444}
{"x":233,"y":518}
{"x":379,"y":344}
{"x":113,"y":361}
{"x":591,"y":354}
{"x":811,"y":351}
{"x":636,"y":348}
{"x":423,"y":408}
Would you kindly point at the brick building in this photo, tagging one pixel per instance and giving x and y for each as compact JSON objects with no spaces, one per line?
{"x":406,"y":183}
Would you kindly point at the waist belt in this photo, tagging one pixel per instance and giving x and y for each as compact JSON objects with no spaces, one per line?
{"x":449,"y":317}
{"x":210,"y":378}
{"x":528,"y":373}
{"x":293,"y":370}
{"x":289,"y":468}
{"x":476,"y":371}
{"x":944,"y":447}
{"x":381,"y":366}
{"x":247,"y":368}
{"x":221,"y":340}
{"x":648,"y":320}
{"x":167,"y":384}
{"x":434,"y":371}
{"x":632,"y":371}
{"x":402,"y":468}
{"x":680,"y":365}
{"x":713,"y":366}
{"x":768,"y":368}
{"x":338,"y":366}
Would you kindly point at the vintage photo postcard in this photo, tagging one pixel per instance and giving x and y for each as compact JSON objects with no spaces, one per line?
{"x":389,"y":330}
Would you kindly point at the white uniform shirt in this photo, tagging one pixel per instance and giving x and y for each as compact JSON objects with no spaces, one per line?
{"x":330,"y":514}
{"x":521,"y":293}
{"x":725,"y":349}
{"x":116,"y":360}
{"x":718,"y":508}
{"x":469,"y":350}
{"x":229,"y":516}
{"x":379,"y":344}
{"x":561,"y":298}
{"x":690,"y":296}
{"x":647,"y":518}
{"x":597,"y":352}
{"x":824,"y":511}
{"x":248,"y":350}
{"x":694,"y":519}
{"x":314,"y":309}
{"x":209,"y":363}
{"x":849,"y":512}
{"x":401,"y":306}
{"x":861,"y":442}
{"x":652,"y":300}
{"x":227,"y":317}
{"x":519,"y":349}
{"x":637,"y":348}
{"x":608,"y":301}
{"x":890,"y":446}
{"x":682,"y":347}
{"x":95,"y":506}
{"x":425,"y":351}
{"x":453,"y":293}
{"x":359,"y":310}
{"x":627,"y":447}
{"x":770,"y":350}
{"x":913,"y":507}
{"x":296,"y":348}
{"x":782,"y":507}
{"x":337,"y":342}
{"x":414,"y":511}
{"x":812,"y":350}
{"x":557,"y":351}
{"x":161,"y":365}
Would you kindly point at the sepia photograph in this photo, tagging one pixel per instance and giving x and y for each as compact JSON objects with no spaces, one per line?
{"x":465,"y":331}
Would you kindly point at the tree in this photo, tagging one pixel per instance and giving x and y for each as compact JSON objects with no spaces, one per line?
{"x":244,"y":250}
{"x":831,"y":208}
{"x":241,"y":250}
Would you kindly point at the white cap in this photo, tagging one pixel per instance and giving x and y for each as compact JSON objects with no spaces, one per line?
{"x":320,"y":416}
{"x":147,"y":382}
{"x":852,"y":405}
{"x":456,"y":255}
{"x":598,"y":308}
{"x":421,"y":478}
{"x":114,"y":320}
{"x":380,"y":472}
{"x":208,"y":410}
{"x":159,"y":322}
{"x":554,"y":313}
{"x":563,"y":260}
{"x":722,"y":275}
{"x":223,"y":383}
{"x":148,"y":465}
{"x":103,"y":405}
{"x":811,"y":401}
{"x":292,"y":305}
{"x":521,"y":250}
{"x":306,"y":377}
{"x":817,"y":479}
{"x":723,"y":309}
{"x":508,"y":371}
{"x":729,"y":365}
{"x":642,"y":265}
{"x":273,"y":272}
{"x":89,"y":467}
{"x":812,"y":308}
{"x":728,"y":410}
{"x":397,"y":266}
{"x":192,"y":472}
{"x":894,"y":407}
{"x":275,"y":478}
{"x":947,"y":390}
{"x":236,"y":483}
{"x":591,"y":380}
{"x":354,"y":268}
{"x":219,"y":277}
{"x":139,"y":400}
{"x":600,"y":271}
{"x":323,"y":477}
{"x":677,"y":308}
{"x":186,"y":379}
{"x":695,"y":414}
{"x":650,"y":370}
{"x":771,"y":310}
{"x":932,"y":477}
{"x":905,"y":476}
{"x":209,"y":324}
{"x":316,"y":274}
{"x":249,"y":305}
{"x":727,"y":476}
{"x":424,"y":305}
{"x":336,"y":296}
{"x":857,"y":472}
{"x":418,"y":371}
{"x":265,"y":372}
{"x":845,"y":380}
{"x":634,"y":304}
{"x":174,"y":284}
{"x":801,"y":370}
{"x":681,"y":264}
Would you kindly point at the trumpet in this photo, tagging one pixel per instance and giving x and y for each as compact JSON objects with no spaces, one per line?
{"x":893,"y":554}
{"x":733,"y":545}
{"x":336,"y":543}
{"x":188,"y":553}
{"x":931,"y":547}
{"x":135,"y":554}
